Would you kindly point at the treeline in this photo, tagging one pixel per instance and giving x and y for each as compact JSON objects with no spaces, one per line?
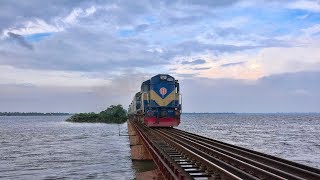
{"x":113,"y":114}
{"x":32,"y":114}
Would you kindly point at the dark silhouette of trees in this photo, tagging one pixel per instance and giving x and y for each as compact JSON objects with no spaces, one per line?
{"x":113,"y":114}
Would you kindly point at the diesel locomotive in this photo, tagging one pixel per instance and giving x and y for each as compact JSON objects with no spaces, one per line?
{"x":158,"y":103}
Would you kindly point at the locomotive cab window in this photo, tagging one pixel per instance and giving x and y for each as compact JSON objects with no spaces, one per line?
{"x":145,"y":88}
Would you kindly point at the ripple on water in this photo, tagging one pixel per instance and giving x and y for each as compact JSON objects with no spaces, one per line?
{"x":49,"y":148}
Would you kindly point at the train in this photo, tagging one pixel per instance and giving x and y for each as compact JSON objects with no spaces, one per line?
{"x":158,"y":103}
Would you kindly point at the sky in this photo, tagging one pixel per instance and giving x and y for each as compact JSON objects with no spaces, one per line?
{"x":229,"y":56}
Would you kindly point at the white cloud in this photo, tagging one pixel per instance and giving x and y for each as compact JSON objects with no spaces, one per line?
{"x":313,"y":6}
{"x":234,"y":22}
{"x":37,"y":25}
{"x":33,"y":27}
{"x":301,"y":92}
{"x":256,"y":63}
{"x":312,"y":30}
{"x":78,"y":13}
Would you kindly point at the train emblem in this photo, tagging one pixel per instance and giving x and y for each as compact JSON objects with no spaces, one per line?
{"x":163,"y":91}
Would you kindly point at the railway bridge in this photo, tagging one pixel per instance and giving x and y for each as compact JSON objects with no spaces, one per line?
{"x":182,"y":155}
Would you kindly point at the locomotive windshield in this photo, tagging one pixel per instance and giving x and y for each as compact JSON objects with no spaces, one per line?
{"x":145,"y":88}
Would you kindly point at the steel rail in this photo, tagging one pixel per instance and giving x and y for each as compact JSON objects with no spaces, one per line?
{"x":171,"y":164}
{"x":161,"y":164}
{"x":277,"y":165}
{"x":209,"y":162}
{"x":230,"y":158}
{"x":245,"y":164}
{"x":183,"y":155}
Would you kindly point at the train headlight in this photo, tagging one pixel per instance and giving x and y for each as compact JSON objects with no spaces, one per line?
{"x":163,"y":113}
{"x":163,"y":77}
{"x":177,"y":113}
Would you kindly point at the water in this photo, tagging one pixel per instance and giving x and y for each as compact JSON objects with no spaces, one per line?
{"x":50,"y":148}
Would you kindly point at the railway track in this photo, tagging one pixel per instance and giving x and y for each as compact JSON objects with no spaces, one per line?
{"x":191,"y":156}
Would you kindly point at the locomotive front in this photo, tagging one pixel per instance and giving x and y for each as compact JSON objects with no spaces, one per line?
{"x":161,"y":103}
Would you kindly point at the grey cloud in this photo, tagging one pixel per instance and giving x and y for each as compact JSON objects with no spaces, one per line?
{"x":83,"y":50}
{"x":211,"y":3}
{"x":194,"y":62}
{"x":191,"y":47}
{"x":232,"y":64}
{"x":14,"y":12}
{"x":20,"y":39}
{"x":241,"y":35}
{"x":228,"y":31}
{"x":224,"y":32}
{"x":141,"y":27}
{"x":200,"y":69}
{"x":178,"y":21}
{"x":186,"y":75}
{"x":268,"y":94}
{"x":26,"y":98}
{"x":293,"y":81}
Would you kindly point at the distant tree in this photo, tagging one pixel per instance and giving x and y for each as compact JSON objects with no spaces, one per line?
{"x":113,"y":114}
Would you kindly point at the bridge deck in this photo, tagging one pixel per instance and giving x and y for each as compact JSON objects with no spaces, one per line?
{"x":183,"y":155}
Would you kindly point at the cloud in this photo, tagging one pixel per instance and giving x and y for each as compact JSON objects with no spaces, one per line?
{"x":232,"y":64}
{"x":194,"y":62}
{"x":262,"y":62}
{"x":77,"y":13}
{"x":202,"y":68}
{"x":70,"y":51}
{"x":141,"y":27}
{"x":14,"y":13}
{"x":313,"y":6}
{"x":95,"y":44}
{"x":33,"y":27}
{"x":314,"y":29}
{"x":268,"y":94}
{"x":82,"y":95}
{"x":302,"y":92}
{"x":19,"y":39}
{"x":196,"y":47}
{"x":12,"y":75}
{"x":210,"y":3}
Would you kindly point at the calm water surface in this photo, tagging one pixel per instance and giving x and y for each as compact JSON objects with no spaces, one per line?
{"x":48,"y":147}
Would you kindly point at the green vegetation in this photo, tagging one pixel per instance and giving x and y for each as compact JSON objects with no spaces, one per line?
{"x":31,"y":114}
{"x":113,"y":114}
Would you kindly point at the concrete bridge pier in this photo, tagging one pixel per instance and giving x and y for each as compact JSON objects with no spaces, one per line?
{"x":140,"y":153}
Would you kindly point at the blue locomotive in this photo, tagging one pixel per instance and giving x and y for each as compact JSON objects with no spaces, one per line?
{"x":158,"y":103}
